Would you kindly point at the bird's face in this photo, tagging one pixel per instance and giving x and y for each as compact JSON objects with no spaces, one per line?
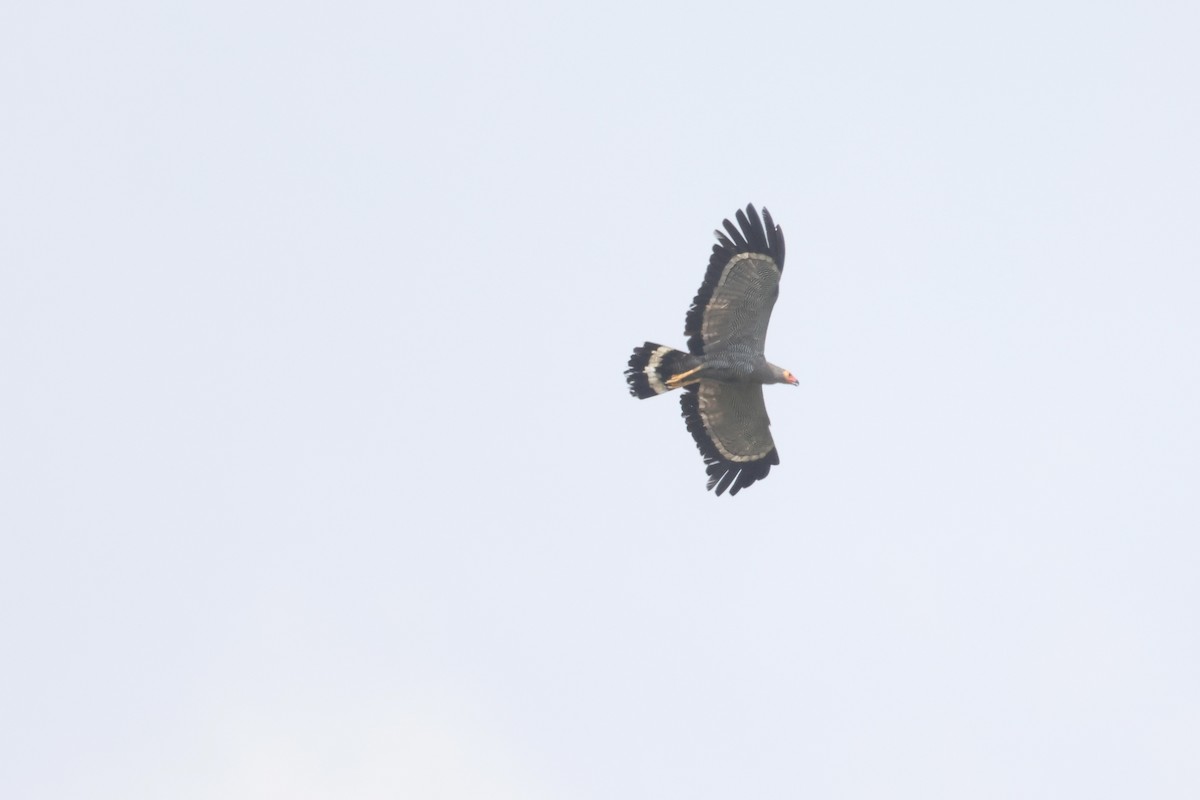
{"x":790,"y":378}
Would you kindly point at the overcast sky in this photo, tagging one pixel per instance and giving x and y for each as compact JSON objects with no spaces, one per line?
{"x":319,"y":477}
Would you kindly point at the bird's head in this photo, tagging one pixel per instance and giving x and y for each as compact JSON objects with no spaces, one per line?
{"x":789,"y":378}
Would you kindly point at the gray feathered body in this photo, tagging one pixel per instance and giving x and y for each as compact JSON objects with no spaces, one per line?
{"x":739,"y":363}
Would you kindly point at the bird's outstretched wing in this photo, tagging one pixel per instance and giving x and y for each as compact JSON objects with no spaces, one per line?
{"x":730,"y":425}
{"x":740,"y":287}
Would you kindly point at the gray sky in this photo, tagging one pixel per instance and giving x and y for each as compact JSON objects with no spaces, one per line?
{"x":319,"y":474}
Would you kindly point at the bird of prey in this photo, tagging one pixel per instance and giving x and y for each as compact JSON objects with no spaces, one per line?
{"x":724,"y":370}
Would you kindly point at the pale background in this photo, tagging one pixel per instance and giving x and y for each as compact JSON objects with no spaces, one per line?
{"x":319,"y":474}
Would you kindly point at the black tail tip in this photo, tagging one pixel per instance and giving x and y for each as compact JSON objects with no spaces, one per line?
{"x":635,"y":376}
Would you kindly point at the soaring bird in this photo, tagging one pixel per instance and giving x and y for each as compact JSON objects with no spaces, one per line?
{"x":724,"y":370}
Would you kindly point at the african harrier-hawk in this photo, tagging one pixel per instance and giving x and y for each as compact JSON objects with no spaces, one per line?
{"x":724,"y":370}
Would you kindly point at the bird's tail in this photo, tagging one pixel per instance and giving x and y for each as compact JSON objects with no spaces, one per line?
{"x":651,"y":367}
